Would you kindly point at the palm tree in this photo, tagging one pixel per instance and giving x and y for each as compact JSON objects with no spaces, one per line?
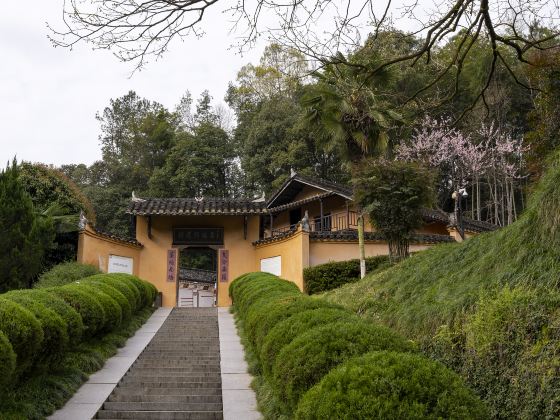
{"x":351,"y":114}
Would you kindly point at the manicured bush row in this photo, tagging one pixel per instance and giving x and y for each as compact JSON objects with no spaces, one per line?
{"x":23,"y":331}
{"x":334,"y":274}
{"x":390,"y":385}
{"x":298,"y":340}
{"x":39,"y":326}
{"x":285,"y":331}
{"x":55,"y":331}
{"x":72,"y":320}
{"x":87,"y":305}
{"x":7,"y":361}
{"x":311,"y":355}
{"x":109,"y":289}
{"x":261,"y":319}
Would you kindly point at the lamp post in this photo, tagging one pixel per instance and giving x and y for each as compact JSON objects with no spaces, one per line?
{"x":458,"y":211}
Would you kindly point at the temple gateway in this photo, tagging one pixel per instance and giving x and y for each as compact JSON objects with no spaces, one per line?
{"x":192,"y":248}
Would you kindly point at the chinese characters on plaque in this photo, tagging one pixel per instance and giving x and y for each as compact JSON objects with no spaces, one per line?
{"x":224,"y":265}
{"x":198,"y":236}
{"x":171,"y":264}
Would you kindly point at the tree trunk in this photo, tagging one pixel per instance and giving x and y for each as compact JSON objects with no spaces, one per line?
{"x":362,"y":246}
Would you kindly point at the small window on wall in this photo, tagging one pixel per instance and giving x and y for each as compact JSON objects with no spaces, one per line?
{"x":118,"y":264}
{"x":272,"y":265}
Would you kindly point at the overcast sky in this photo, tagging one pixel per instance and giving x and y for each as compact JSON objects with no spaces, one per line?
{"x":49,"y":96}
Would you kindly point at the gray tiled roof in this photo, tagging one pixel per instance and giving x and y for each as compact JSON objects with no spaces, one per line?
{"x":436,"y":215}
{"x":352,"y":235}
{"x":191,"y":206}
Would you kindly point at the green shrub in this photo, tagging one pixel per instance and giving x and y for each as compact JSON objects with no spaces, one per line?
{"x":303,"y":362}
{"x":334,"y":274}
{"x":112,"y":310}
{"x":125,"y":286}
{"x":86,"y":304}
{"x":7,"y":361}
{"x":390,"y":385}
{"x":248,"y":289}
{"x":23,"y":331}
{"x":287,"y":330}
{"x":114,"y":292}
{"x":73,"y":320}
{"x":144,"y":288}
{"x":65,"y":273}
{"x":262,"y":318}
{"x":55,"y":329}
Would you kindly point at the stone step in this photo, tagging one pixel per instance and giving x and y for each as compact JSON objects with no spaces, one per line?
{"x":160,"y":415}
{"x":177,"y":358}
{"x":164,"y":391}
{"x":195,"y":367}
{"x":157,"y":376}
{"x":190,"y":382}
{"x":215,"y":399}
{"x":177,"y":376}
{"x":161,"y":406}
{"x":198,"y":357}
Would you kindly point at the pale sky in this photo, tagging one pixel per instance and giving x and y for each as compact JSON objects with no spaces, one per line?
{"x":49,"y":96}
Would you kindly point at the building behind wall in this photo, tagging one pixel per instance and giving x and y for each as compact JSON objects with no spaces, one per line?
{"x":192,"y":248}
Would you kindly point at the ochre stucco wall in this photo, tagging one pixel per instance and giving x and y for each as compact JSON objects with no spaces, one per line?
{"x":154,"y":252}
{"x":294,"y":251}
{"x":321,"y":252}
{"x":95,"y":250}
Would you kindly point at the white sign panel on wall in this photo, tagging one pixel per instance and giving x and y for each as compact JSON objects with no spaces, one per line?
{"x":272,"y":265}
{"x":118,"y":264}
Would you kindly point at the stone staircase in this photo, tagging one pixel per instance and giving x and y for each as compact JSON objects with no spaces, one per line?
{"x":177,"y":376}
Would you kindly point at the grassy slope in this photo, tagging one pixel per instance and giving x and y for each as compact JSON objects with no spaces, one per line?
{"x":487,"y":306}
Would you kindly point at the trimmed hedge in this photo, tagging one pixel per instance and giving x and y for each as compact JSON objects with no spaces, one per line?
{"x":334,"y":274}
{"x":123,"y":285}
{"x":7,"y":361}
{"x":64,"y":331}
{"x":391,"y":385}
{"x":114,"y":292}
{"x":65,"y":273}
{"x":147,"y":290}
{"x":112,"y":310}
{"x":262,"y":318}
{"x":73,"y":320}
{"x":294,"y":341}
{"x":285,"y":331}
{"x":310,"y":356}
{"x":23,"y":331}
{"x":55,"y":329}
{"x":87,"y":305}
{"x":248,"y":289}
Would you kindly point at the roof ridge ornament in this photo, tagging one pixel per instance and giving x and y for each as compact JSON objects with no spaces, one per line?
{"x":199,"y":199}
{"x":137,"y":199}
{"x":293,"y":172}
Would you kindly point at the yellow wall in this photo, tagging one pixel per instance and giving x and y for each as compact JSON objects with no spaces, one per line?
{"x":154,"y":253}
{"x":294,"y":251}
{"x":95,"y":249}
{"x":321,"y":252}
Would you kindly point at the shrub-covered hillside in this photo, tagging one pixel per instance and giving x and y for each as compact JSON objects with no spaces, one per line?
{"x":489,"y":307}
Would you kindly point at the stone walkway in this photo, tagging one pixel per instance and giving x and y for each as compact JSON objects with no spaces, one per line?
{"x":238,"y":396}
{"x":194,"y":363}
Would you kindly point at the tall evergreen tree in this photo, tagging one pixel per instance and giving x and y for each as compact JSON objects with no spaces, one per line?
{"x":24,"y":235}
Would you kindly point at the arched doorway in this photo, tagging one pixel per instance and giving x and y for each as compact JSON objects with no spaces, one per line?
{"x":198,"y":266}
